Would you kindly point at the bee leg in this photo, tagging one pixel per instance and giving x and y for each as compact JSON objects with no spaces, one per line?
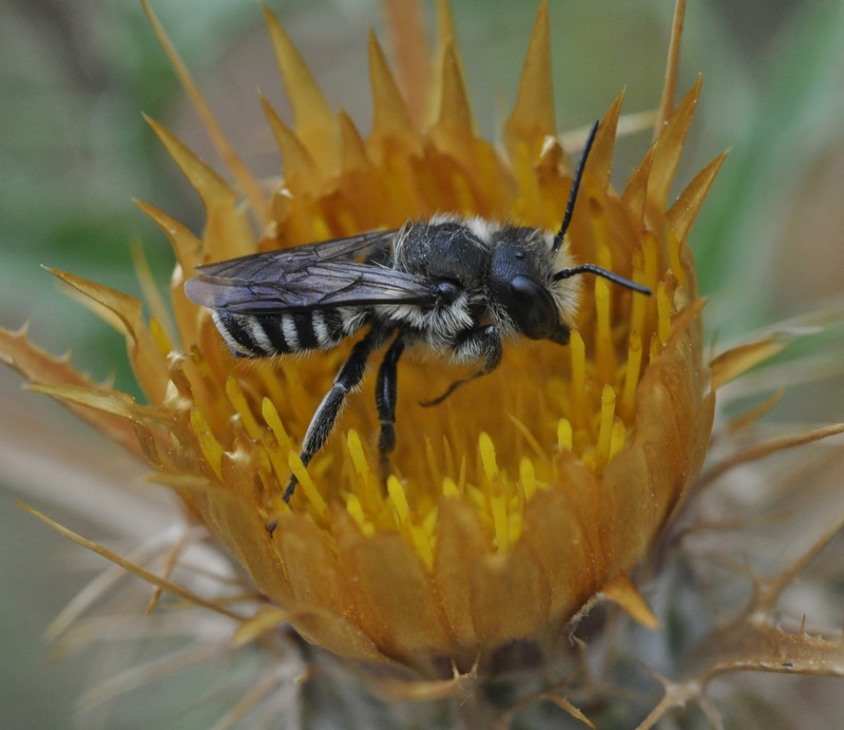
{"x":482,"y":343}
{"x":386,"y":389}
{"x":322,"y":422}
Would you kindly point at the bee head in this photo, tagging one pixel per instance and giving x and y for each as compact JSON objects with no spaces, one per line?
{"x":520,"y":281}
{"x":518,"y":285}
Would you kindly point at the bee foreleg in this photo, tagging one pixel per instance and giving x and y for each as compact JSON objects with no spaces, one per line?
{"x":482,"y":343}
{"x":386,"y":389}
{"x":322,"y":422}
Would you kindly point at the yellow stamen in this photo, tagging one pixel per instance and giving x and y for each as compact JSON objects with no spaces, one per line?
{"x":674,"y":258}
{"x":368,"y":489}
{"x":604,"y":355}
{"x":265,"y":468}
{"x":415,"y":534}
{"x":487,"y":451}
{"x":356,"y":452}
{"x":307,"y":485}
{"x":238,"y":400}
{"x":429,"y":524}
{"x":527,"y":478}
{"x":642,"y":319}
{"x":201,"y":364}
{"x":211,"y":449}
{"x":601,"y":234}
{"x":423,"y":545}
{"x":160,"y":338}
{"x":478,"y":498}
{"x":619,"y":433}
{"x":631,"y":375}
{"x":650,"y":252}
{"x":498,"y":507}
{"x":277,"y":506}
{"x":398,"y":499}
{"x":639,"y":304}
{"x":605,"y":428}
{"x":272,"y":419}
{"x":496,"y":499}
{"x":578,"y":377}
{"x":355,"y":509}
{"x":450,"y":488}
{"x":565,"y":436}
{"x":282,"y":474}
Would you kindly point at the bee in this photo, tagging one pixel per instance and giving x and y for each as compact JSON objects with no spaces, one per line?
{"x":456,"y":287}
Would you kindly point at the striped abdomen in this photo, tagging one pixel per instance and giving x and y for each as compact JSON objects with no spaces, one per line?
{"x":261,"y":335}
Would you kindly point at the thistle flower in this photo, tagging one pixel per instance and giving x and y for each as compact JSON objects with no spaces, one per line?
{"x":519,"y":502}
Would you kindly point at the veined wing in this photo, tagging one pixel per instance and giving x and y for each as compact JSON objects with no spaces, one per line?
{"x":314,"y":276}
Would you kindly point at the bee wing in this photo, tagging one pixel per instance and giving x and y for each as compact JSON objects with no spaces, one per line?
{"x":315,"y":276}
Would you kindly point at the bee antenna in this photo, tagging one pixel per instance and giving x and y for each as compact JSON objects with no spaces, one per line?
{"x":575,"y":186}
{"x":598,"y":271}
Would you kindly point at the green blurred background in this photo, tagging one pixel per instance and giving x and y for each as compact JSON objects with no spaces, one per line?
{"x":74,"y":150}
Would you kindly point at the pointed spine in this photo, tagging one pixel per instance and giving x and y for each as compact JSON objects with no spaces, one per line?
{"x":390,"y":115}
{"x":352,"y":147}
{"x":672,"y":68}
{"x":410,"y":49}
{"x":454,"y":111}
{"x":188,"y":251}
{"x":295,"y":159}
{"x":211,"y":187}
{"x":445,"y":35}
{"x":635,"y":192}
{"x":227,"y":232}
{"x":38,"y":366}
{"x":600,"y":159}
{"x":315,"y":125}
{"x":683,"y":213}
{"x":126,"y":314}
{"x":533,"y":117}
{"x":186,"y":247}
{"x":669,"y":147}
{"x":248,"y":185}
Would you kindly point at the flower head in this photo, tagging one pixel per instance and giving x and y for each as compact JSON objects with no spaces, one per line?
{"x":521,"y":497}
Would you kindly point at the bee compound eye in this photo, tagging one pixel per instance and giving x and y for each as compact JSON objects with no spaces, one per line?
{"x":532,"y":308}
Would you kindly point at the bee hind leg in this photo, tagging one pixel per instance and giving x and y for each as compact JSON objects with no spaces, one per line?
{"x":323,"y":420}
{"x":386,"y":393}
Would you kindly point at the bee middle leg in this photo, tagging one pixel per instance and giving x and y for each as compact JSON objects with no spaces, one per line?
{"x":322,"y":422}
{"x":386,"y":391}
{"x":481,"y":343}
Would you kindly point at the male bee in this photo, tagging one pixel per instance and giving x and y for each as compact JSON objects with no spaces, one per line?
{"x":456,"y":287}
